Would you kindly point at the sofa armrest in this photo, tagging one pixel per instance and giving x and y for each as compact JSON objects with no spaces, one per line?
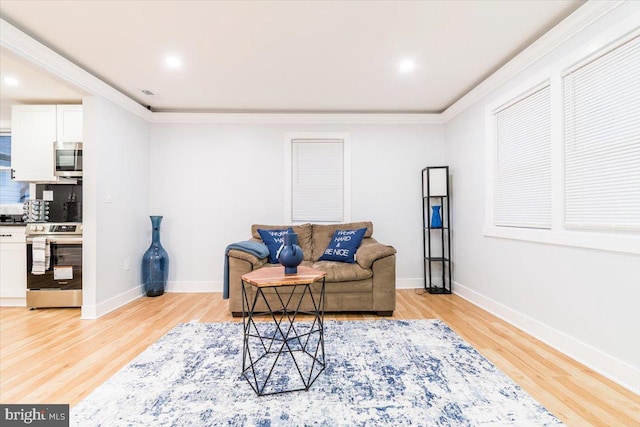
{"x":384,"y":284}
{"x":371,"y":251}
{"x":237,"y":268}
{"x":250,"y":258}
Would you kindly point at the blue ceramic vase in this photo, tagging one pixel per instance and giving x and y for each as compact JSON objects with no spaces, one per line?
{"x":155,"y":263}
{"x":436,"y":219}
{"x":291,"y":254}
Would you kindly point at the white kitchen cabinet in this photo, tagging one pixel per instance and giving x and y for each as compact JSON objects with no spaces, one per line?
{"x":34,"y":129}
{"x":33,"y":132}
{"x":69,"y":119}
{"x":13,"y":266}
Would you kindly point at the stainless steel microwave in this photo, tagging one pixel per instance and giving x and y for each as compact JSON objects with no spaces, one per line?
{"x":67,"y":159}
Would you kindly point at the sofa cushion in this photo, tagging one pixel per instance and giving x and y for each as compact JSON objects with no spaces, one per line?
{"x":303,"y":263}
{"x":343,"y":246}
{"x":342,"y":272}
{"x":274,"y":240}
{"x":303,"y":231}
{"x":323,"y":233}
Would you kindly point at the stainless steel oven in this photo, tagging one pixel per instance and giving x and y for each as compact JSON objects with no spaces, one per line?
{"x":54,"y":265}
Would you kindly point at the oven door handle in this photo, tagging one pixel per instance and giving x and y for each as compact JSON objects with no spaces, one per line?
{"x":61,"y":240}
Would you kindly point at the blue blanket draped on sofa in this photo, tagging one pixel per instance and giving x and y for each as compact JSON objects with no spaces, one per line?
{"x":254,"y":248}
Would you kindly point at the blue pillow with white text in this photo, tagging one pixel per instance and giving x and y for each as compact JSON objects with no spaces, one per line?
{"x":274,"y":239}
{"x":343,"y":246}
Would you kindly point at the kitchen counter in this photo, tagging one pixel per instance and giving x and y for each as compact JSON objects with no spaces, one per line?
{"x":13,"y":224}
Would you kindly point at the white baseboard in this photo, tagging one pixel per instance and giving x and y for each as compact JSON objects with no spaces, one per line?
{"x":626,"y":375}
{"x":95,"y":311}
{"x":410,"y":283}
{"x":13,"y":302}
{"x":191,"y":287}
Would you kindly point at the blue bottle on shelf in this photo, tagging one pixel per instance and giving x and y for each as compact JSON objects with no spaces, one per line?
{"x":436,"y":219}
{"x":155,"y":263}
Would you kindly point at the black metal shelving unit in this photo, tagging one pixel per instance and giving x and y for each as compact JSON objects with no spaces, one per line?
{"x":436,"y":240}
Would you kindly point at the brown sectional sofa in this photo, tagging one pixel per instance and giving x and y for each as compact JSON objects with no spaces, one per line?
{"x":368,"y":285}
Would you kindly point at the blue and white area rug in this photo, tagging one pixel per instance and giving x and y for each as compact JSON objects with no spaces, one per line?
{"x":383,"y":372}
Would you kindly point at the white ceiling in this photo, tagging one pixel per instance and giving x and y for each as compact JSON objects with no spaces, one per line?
{"x":280,"y":56}
{"x":35,"y":87}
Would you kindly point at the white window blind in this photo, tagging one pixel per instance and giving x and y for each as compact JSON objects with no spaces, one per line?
{"x":602,"y":141}
{"x":317,"y":180}
{"x":11,"y":192}
{"x":522,"y":184}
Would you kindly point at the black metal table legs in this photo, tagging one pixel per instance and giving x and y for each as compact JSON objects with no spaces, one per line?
{"x":284,"y":354}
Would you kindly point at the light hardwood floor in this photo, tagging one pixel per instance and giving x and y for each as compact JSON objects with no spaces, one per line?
{"x":51,"y":356}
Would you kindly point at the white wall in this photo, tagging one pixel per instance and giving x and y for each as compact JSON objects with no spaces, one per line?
{"x":585,"y":302}
{"x":116,"y":222}
{"x":212,"y":181}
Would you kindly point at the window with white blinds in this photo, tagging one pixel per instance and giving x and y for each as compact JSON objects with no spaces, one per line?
{"x":317,"y":181}
{"x":11,"y":192}
{"x":522,"y":181}
{"x":602,"y":141}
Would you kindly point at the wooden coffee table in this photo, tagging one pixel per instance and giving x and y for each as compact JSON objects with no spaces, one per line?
{"x":282,"y":355}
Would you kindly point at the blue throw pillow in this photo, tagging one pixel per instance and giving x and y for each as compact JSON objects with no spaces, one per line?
{"x":274,"y":239}
{"x":343,"y":245}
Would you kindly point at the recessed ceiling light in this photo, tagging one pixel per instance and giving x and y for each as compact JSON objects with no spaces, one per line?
{"x":173,"y":62}
{"x":406,"y":66}
{"x":10,"y":81}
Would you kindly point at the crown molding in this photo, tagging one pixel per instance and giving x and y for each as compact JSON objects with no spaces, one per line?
{"x":26,"y":47}
{"x":35,"y":52}
{"x":298,"y":118}
{"x":570,"y":26}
